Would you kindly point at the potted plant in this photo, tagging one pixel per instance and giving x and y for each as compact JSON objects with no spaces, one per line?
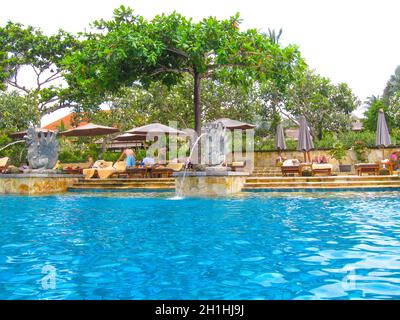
{"x":339,"y":152}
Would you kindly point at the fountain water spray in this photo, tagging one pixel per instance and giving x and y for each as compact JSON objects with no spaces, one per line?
{"x":178,"y":195}
{"x":10,"y":144}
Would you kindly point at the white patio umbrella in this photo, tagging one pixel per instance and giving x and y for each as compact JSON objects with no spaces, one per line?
{"x":155,"y":129}
{"x":89,"y":130}
{"x":129,"y":137}
{"x":382,"y":133}
{"x":234,"y":124}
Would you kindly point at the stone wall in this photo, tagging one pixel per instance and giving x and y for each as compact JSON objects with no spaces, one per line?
{"x":34,"y":184}
{"x":201,"y":184}
{"x":267,"y":158}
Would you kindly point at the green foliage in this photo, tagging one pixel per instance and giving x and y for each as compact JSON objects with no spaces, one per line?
{"x":29,"y":48}
{"x":77,"y":151}
{"x":338,"y":152}
{"x":327,"y":107}
{"x":360,"y":149}
{"x":351,"y":138}
{"x":327,"y":141}
{"x":263,"y":143}
{"x":371,"y":115}
{"x":392,"y":86}
{"x":110,"y":156}
{"x":140,"y":154}
{"x":130,"y":48}
{"x":17,"y":112}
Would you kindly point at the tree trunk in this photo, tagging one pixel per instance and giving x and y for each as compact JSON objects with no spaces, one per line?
{"x":197,"y":105}
{"x":197,"y":112}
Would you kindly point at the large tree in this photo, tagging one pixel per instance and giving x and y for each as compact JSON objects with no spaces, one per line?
{"x":371,"y":115}
{"x":129,"y":48}
{"x":326,"y":106}
{"x":28,"y":53}
{"x":135,"y":106}
{"x":392,"y":86}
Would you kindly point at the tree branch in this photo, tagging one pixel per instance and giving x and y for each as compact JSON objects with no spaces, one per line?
{"x":16,"y":85}
{"x":165,"y":69}
{"x":44,"y":111}
{"x":179,"y":52}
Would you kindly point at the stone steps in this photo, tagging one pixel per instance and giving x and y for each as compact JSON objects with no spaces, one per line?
{"x":252,"y":179}
{"x":125,"y":184}
{"x":328,"y":182}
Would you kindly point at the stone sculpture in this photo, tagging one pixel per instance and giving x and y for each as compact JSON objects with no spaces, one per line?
{"x":215,"y":144}
{"x":42,"y":149}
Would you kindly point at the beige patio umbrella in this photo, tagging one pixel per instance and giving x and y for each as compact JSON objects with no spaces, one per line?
{"x":21,"y":134}
{"x":89,"y":130}
{"x":155,"y":129}
{"x":234,"y":124}
{"x":382,"y":133}
{"x":129,"y":137}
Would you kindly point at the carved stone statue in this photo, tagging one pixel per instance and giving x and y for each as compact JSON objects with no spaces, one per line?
{"x":42,"y":149}
{"x":215,"y":144}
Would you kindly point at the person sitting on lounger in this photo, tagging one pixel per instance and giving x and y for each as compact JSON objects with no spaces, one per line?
{"x":130,"y":157}
{"x":148,"y":161}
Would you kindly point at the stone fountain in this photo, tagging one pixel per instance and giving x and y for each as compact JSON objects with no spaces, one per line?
{"x":42,"y":151}
{"x":213,"y":178}
{"x":41,"y":177}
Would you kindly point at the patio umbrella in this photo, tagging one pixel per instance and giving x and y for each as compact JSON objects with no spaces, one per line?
{"x":305,"y":142}
{"x":382,"y":133}
{"x":155,"y":129}
{"x":89,"y":130}
{"x":234,"y":124}
{"x":280,"y":143}
{"x":129,"y":137}
{"x":21,"y":134}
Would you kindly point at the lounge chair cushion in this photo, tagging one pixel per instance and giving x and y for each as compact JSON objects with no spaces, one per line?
{"x":291,"y":162}
{"x":120,"y":166}
{"x":105,"y":173}
{"x":175,"y":166}
{"x":81,"y":165}
{"x":321,"y":166}
{"x":238,"y":164}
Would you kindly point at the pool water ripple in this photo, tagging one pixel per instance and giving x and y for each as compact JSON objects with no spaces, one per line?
{"x":253,"y":246}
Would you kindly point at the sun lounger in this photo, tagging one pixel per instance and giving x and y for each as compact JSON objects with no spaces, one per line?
{"x":119,"y":168}
{"x":4,"y":164}
{"x":74,"y":168}
{"x":238,"y":165}
{"x":140,"y":172}
{"x":321,"y":168}
{"x":290,"y":170}
{"x":290,"y":166}
{"x":367,"y":168}
{"x":166,"y":171}
{"x":99,"y":164}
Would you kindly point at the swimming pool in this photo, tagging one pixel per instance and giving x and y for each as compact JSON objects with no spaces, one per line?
{"x":251,"y":246}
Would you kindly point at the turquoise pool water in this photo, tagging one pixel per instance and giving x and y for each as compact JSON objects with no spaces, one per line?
{"x":253,"y":246}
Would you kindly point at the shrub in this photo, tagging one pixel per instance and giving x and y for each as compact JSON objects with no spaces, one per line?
{"x":351,"y":138}
{"x":360,"y":148}
{"x":110,"y":156}
{"x":338,"y":152}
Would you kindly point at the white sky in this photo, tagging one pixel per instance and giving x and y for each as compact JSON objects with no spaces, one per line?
{"x":351,"y":41}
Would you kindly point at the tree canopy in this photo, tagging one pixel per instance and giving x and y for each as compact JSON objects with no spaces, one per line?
{"x":130,"y":49}
{"x":24,"y":49}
